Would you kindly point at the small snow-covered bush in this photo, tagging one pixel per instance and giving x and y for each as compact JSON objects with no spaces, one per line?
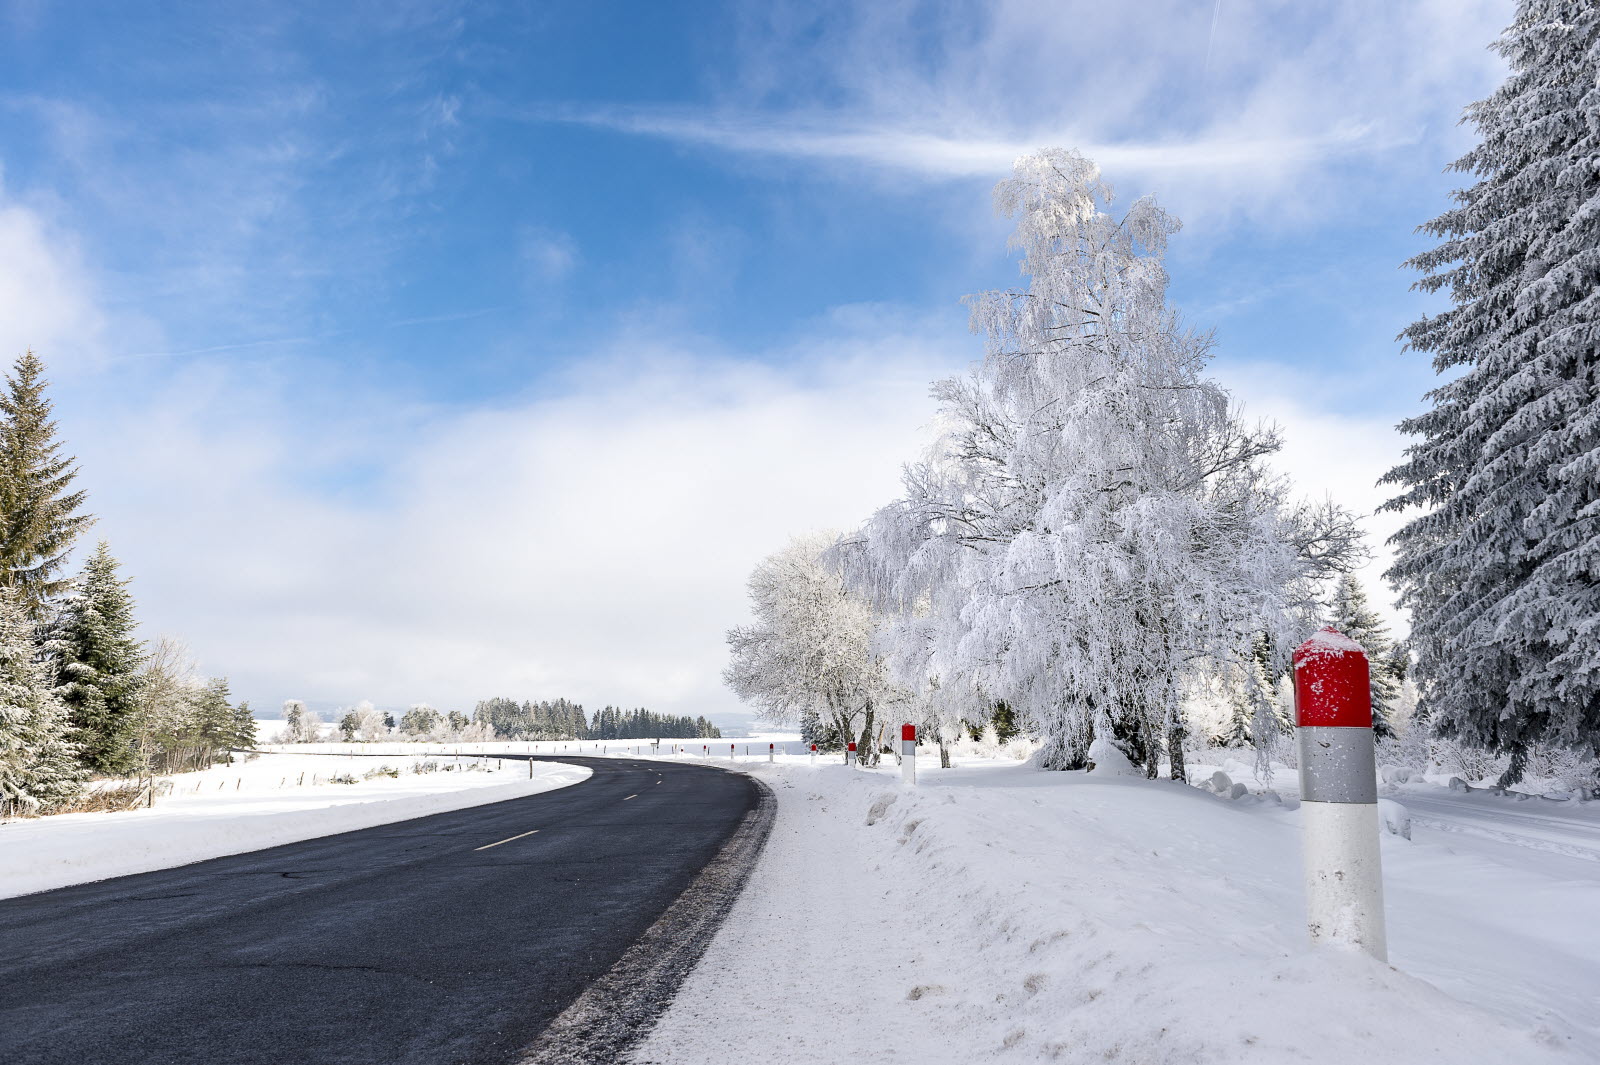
{"x":1469,"y":763}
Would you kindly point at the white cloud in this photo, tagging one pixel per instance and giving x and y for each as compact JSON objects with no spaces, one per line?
{"x":46,"y":300}
{"x":592,"y":544}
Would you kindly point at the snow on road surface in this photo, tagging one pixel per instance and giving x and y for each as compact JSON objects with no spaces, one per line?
{"x":262,"y":802}
{"x":1000,"y":913}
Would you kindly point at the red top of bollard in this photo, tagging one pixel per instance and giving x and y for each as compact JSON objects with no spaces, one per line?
{"x":772,"y":746}
{"x":908,"y":732}
{"x":813,"y":746}
{"x":852,"y":745}
{"x":1332,"y":686}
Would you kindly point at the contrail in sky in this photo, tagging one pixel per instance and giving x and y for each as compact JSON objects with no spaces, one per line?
{"x":1216,"y":13}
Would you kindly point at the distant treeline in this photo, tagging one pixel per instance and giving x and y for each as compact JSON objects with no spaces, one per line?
{"x":564,"y":720}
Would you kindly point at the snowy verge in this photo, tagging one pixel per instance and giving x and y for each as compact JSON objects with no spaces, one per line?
{"x":1012,"y":915}
{"x":267,"y":801}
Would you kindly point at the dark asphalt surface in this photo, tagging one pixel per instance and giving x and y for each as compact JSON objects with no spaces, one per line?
{"x":396,"y":944}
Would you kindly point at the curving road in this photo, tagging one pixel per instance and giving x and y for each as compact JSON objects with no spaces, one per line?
{"x":453,"y":938}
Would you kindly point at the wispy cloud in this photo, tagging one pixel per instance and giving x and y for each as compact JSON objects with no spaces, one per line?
{"x":310,"y":338}
{"x":952,"y":155}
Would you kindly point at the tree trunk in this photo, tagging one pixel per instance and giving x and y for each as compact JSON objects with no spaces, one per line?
{"x":1176,"y":734}
{"x":1518,"y":766}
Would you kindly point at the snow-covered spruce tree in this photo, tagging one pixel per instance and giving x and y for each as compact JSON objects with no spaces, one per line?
{"x":100,"y":666}
{"x":810,"y":649}
{"x":1094,"y":524}
{"x":216,"y":726}
{"x":421,"y":721}
{"x":1350,"y":612}
{"x":38,"y":763}
{"x":1501,"y":572}
{"x":245,"y":730}
{"x":39,"y":514}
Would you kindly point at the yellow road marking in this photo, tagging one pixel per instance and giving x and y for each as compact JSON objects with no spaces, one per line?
{"x":486,"y":846}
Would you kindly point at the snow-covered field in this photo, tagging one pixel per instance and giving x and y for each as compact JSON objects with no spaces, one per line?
{"x":261,"y":802}
{"x":999,"y":913}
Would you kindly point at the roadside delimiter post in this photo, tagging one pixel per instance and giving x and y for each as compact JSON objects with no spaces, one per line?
{"x":908,"y":755}
{"x":813,"y":754}
{"x":1339,"y":793}
{"x":772,"y":749}
{"x":850,"y":754}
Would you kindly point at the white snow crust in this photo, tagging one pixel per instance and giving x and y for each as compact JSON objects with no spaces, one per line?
{"x":1001,"y":913}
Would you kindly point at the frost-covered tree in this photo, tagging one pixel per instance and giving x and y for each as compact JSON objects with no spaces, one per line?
{"x":810,"y":649}
{"x":100,"y":666}
{"x":364,"y":723}
{"x":1351,"y":613}
{"x":39,"y":512}
{"x":300,"y":725}
{"x":1094,"y":524}
{"x":1501,"y":571}
{"x":38,"y":763}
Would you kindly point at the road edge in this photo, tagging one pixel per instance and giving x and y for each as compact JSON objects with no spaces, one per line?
{"x":622,"y":1005}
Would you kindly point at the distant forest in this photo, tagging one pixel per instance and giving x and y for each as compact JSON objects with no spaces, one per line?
{"x":563,"y":720}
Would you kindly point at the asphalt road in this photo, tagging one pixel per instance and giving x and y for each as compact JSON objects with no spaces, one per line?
{"x":453,"y":938}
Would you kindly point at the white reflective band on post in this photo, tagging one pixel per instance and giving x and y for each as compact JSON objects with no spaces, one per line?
{"x":1344,"y":876}
{"x":1337,"y":765}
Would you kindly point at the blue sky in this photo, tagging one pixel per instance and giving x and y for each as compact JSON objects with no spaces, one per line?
{"x":387,"y":333}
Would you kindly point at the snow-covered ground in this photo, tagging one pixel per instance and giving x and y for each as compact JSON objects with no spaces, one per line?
{"x":260,"y":802}
{"x":1000,"y":913}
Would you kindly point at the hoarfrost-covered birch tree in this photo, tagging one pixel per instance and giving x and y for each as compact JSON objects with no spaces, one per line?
{"x":1095,"y":523}
{"x":1501,"y":570}
{"x":811,"y":647}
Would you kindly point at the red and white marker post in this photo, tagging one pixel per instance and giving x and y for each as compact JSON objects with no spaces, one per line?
{"x":908,"y":755}
{"x":1339,"y":793}
{"x":772,"y":749}
{"x":731,"y":748}
{"x":813,"y":754}
{"x":850,"y":754}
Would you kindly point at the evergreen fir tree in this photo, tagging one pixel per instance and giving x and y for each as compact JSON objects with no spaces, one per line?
{"x":244,"y":727}
{"x":1004,"y":720}
{"x":1352,"y":614}
{"x":1502,"y":571}
{"x":216,"y":723}
{"x":99,"y":666}
{"x":38,"y":764}
{"x":39,"y":519}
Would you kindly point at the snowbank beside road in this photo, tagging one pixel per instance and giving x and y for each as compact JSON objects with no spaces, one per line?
{"x":1007,"y":914}
{"x":248,"y":806}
